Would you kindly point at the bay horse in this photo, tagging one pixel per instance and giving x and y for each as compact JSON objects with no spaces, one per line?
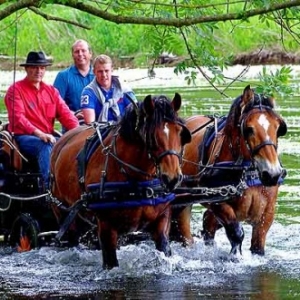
{"x":120,"y":172}
{"x":224,"y":152}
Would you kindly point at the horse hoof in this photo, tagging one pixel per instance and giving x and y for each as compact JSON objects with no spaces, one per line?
{"x":260,"y":252}
{"x":235,"y":247}
{"x":209,"y":242}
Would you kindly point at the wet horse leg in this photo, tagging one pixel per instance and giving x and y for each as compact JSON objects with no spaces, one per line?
{"x":225,"y":216}
{"x":109,"y":242}
{"x":258,"y":239}
{"x":210,"y":226}
{"x":160,"y":230}
{"x":268,"y":197}
{"x":181,"y":225}
{"x":259,"y":232}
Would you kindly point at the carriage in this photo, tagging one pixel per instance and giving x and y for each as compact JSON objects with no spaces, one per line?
{"x":149,"y":174}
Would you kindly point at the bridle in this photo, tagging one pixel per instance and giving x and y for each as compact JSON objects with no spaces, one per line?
{"x":256,"y":109}
{"x":158,"y":157}
{"x":111,"y":150}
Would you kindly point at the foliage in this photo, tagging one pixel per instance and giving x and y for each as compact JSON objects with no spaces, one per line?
{"x":204,"y":33}
{"x":275,"y":84}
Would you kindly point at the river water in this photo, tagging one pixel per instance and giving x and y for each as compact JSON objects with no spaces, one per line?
{"x":198,"y":272}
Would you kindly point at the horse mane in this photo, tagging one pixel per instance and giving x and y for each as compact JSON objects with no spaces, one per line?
{"x":128,"y":122}
{"x":136,"y":120}
{"x":259,"y":100}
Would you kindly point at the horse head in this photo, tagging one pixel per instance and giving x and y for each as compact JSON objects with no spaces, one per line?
{"x":162,"y":134}
{"x":260,"y":127}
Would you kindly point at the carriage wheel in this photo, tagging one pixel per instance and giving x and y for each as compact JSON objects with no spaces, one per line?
{"x":24,"y":233}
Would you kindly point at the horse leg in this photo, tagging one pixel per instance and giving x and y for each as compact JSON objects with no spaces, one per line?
{"x":235,"y":234}
{"x":258,"y":240}
{"x":234,"y":230}
{"x":181,"y":225}
{"x":109,"y":242}
{"x":210,"y":226}
{"x":160,"y":232}
{"x":261,"y":227}
{"x":68,"y":231}
{"x":259,"y":234}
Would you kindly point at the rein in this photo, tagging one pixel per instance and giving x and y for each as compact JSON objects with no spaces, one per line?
{"x":111,"y":151}
{"x":122,"y":162}
{"x":155,"y":159}
{"x":203,"y":126}
{"x":245,"y":166}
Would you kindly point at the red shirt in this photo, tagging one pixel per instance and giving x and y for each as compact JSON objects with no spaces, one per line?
{"x":30,"y":108}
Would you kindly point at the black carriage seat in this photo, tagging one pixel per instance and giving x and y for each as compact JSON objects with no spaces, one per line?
{"x":19,"y":173}
{"x":11,"y":157}
{"x":16,"y":160}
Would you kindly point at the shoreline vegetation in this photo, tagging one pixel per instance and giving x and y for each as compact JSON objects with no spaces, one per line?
{"x":261,"y":57}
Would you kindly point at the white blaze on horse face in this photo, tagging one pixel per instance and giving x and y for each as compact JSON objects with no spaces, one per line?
{"x":263,"y":121}
{"x":275,"y":167}
{"x":167,"y":130}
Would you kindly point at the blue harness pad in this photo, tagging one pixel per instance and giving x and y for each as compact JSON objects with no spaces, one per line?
{"x":252,"y":178}
{"x":127,"y":194}
{"x":251,"y":175}
{"x":226,"y":167}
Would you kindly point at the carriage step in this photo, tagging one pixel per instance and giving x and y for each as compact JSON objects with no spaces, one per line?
{"x":47,"y":233}
{"x":3,"y":238}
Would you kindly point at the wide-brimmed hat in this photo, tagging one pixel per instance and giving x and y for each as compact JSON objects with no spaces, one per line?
{"x":36,"y":59}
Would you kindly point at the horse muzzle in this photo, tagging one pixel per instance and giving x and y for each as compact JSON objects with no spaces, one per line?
{"x":171,"y":184}
{"x":269,"y":179}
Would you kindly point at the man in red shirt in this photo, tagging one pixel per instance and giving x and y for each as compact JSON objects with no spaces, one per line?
{"x":32,"y":107}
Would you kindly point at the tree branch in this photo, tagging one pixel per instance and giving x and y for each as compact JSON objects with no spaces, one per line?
{"x":51,"y":18}
{"x":175,"y":22}
{"x":106,"y":14}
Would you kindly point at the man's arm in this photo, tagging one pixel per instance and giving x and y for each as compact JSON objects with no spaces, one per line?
{"x":16,"y":111}
{"x":87,"y":104}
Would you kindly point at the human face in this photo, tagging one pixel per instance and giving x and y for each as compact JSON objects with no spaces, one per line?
{"x":103,"y":74}
{"x":35,"y":74}
{"x":81,"y":54}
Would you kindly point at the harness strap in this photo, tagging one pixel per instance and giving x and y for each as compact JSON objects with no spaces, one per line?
{"x":209,"y":135}
{"x":90,"y":146}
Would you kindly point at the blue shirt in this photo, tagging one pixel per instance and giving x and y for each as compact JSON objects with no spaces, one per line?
{"x":90,"y":100}
{"x":70,"y":84}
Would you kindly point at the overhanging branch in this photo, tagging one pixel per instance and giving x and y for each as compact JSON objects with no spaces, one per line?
{"x":175,"y":22}
{"x":52,"y":18}
{"x":105,"y":14}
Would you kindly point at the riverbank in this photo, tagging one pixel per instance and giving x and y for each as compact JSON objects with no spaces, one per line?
{"x":162,"y":76}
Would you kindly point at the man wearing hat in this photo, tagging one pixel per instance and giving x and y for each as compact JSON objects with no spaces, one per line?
{"x":32,"y":107}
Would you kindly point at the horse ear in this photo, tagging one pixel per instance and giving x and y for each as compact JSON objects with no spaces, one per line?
{"x":272,"y":102}
{"x":176,"y":103}
{"x":282,"y":130}
{"x":247,"y":96}
{"x":149,"y":105}
{"x":186,"y":135}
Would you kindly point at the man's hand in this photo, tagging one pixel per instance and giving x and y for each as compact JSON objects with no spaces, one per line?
{"x":45,"y":137}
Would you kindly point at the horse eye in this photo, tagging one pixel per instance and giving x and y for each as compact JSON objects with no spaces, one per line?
{"x":248,"y":131}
